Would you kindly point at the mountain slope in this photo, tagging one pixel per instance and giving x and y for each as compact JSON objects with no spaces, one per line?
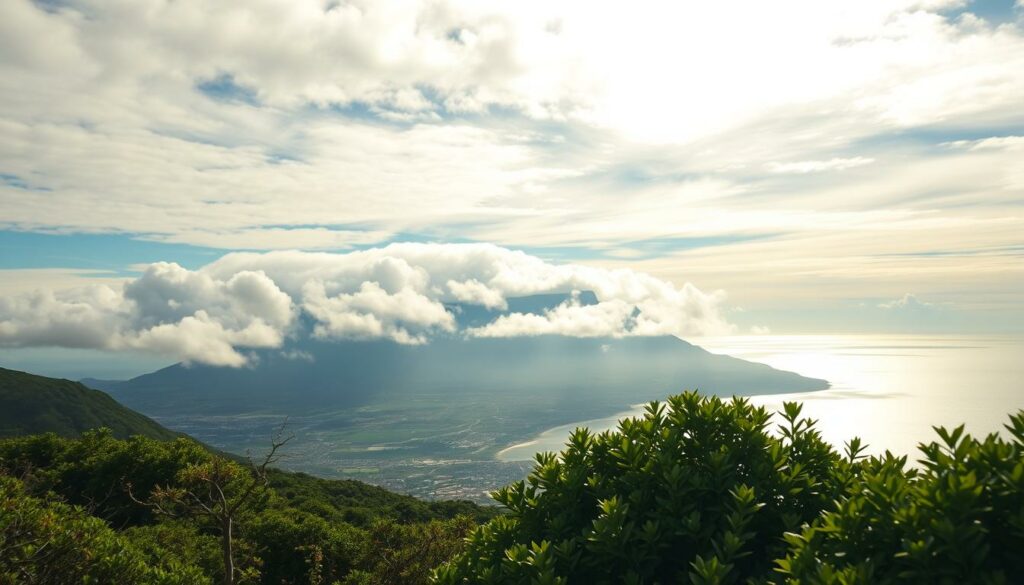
{"x":32,"y":404}
{"x":429,"y":419}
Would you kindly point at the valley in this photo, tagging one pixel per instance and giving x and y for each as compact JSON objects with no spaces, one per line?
{"x":430,"y":420}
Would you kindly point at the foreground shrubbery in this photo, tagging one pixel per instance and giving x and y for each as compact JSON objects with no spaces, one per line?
{"x":699,"y":491}
{"x":62,"y":499}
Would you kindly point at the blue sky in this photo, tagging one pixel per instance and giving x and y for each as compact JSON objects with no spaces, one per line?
{"x":809,"y":168}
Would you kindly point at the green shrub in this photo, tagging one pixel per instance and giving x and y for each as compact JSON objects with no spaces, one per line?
{"x":700,"y":490}
{"x":45,"y":542}
{"x":405,"y":554}
{"x":290,"y":543}
{"x":697,"y":488}
{"x":960,"y":519}
{"x":91,"y":471}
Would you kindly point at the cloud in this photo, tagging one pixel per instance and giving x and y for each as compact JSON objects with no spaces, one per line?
{"x":372,"y":312}
{"x":605,"y":319}
{"x":400,"y":292}
{"x":279,"y":124}
{"x":298,"y":355}
{"x":992,"y":143}
{"x":168,"y":310}
{"x":816,"y":166}
{"x":907,"y":302}
{"x":26,"y":280}
{"x":103,"y":105}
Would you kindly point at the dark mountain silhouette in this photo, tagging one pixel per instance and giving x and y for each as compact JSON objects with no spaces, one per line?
{"x":316,"y":375}
{"x":32,"y":404}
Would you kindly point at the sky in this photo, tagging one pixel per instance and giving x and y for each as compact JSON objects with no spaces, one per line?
{"x":185,"y":180}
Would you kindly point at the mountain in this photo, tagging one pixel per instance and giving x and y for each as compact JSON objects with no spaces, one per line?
{"x":429,"y":419}
{"x":556,"y":371}
{"x":550,"y":371}
{"x":32,"y":404}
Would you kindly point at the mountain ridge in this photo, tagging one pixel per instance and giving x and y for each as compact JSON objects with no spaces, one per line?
{"x":31,"y":404}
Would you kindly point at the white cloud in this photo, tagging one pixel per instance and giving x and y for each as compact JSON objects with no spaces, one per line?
{"x":168,"y":310}
{"x":274,"y":238}
{"x":372,"y":312}
{"x":99,"y":106}
{"x":907,"y":302}
{"x":993,"y":143}
{"x":249,"y":300}
{"x":815,"y":166}
{"x":26,"y":280}
{"x":520,"y":124}
{"x":477,"y":293}
{"x":605,"y":319}
{"x":298,"y":355}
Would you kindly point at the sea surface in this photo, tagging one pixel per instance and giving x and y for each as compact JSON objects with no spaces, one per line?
{"x":888,"y":390}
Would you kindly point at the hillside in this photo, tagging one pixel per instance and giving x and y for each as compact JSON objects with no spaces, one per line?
{"x":31,"y":404}
{"x":88,"y":499}
{"x":429,"y":419}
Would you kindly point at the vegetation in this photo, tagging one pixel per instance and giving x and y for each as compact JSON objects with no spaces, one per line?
{"x":50,"y":542}
{"x":699,"y":491}
{"x":138,"y":505}
{"x":35,"y":404}
{"x":218,"y":491}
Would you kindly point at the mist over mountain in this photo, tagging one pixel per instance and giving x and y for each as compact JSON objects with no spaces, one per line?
{"x":547,"y":371}
{"x":429,"y":419}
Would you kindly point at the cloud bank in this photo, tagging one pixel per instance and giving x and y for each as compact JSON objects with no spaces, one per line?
{"x":802,"y":152}
{"x":405,"y":293}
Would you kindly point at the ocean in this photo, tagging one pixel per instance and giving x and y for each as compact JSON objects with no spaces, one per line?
{"x":889,"y":390}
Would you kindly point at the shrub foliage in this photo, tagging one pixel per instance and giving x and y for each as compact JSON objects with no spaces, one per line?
{"x":70,"y":512}
{"x":702,"y":490}
{"x":699,"y":490}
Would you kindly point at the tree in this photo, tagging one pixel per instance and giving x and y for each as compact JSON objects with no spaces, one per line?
{"x":219,"y":490}
{"x":44,"y":542}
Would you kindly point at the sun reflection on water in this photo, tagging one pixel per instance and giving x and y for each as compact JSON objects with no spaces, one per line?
{"x":889,"y":390}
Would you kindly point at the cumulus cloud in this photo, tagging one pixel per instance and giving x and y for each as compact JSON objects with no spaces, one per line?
{"x":168,"y":310}
{"x":605,"y":319}
{"x":907,"y":302}
{"x":403,"y":293}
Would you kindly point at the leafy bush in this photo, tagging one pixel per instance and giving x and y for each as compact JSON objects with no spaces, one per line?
{"x":405,"y":554}
{"x":290,"y":543}
{"x":296,"y":532}
{"x":91,"y":471}
{"x":45,"y":542}
{"x":173,"y":543}
{"x":960,"y":519}
{"x":700,"y":491}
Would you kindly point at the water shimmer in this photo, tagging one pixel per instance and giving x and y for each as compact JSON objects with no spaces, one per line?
{"x":888,"y":390}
